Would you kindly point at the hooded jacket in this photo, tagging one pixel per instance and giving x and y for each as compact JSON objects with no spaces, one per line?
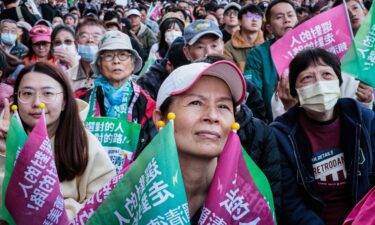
{"x":146,"y":37}
{"x":300,"y":202}
{"x":260,"y":143}
{"x":238,"y":48}
{"x":154,"y":77}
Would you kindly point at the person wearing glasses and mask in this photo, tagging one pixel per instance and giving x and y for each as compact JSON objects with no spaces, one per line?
{"x":87,"y":36}
{"x":115,"y":94}
{"x":65,"y":49}
{"x":327,"y":144}
{"x":82,"y":165}
{"x":40,"y":46}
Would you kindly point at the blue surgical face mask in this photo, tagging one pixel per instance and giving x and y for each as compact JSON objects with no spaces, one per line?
{"x":8,"y":38}
{"x":87,"y":52}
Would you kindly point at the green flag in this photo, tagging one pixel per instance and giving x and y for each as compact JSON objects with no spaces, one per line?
{"x":15,"y":140}
{"x":359,"y":61}
{"x":152,"y":191}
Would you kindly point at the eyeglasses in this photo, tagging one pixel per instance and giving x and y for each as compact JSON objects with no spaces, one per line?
{"x":42,"y":44}
{"x":86,"y":37}
{"x":65,"y":42}
{"x":231,"y":13}
{"x":28,"y":95}
{"x":109,"y":56}
{"x":251,"y":16}
{"x":6,"y":30}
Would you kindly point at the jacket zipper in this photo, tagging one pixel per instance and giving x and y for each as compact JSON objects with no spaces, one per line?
{"x":299,"y":171}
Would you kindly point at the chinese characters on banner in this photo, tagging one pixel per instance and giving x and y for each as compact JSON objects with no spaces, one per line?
{"x":118,"y":137}
{"x":14,"y":143}
{"x":329,"y":30}
{"x":33,"y":195}
{"x":94,"y":201}
{"x":234,"y":197}
{"x":359,"y":62}
{"x":152,"y":190}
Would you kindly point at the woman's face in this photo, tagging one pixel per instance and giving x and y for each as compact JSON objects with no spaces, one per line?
{"x":117,"y":66}
{"x":42,"y":49}
{"x":65,"y":40}
{"x":315,"y":73}
{"x":204,"y":115}
{"x":39,"y":88}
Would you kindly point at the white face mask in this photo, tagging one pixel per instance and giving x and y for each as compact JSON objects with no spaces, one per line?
{"x":321,"y":96}
{"x":69,"y":48}
{"x":170,"y":36}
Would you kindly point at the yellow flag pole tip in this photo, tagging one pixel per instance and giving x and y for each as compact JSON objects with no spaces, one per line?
{"x":123,"y":153}
{"x":171,"y":116}
{"x":42,"y":105}
{"x":14,"y":108}
{"x":160,"y":124}
{"x":235,"y":126}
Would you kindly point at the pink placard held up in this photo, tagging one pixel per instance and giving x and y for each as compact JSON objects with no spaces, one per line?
{"x":233,"y":197}
{"x":33,"y":195}
{"x":329,"y":30}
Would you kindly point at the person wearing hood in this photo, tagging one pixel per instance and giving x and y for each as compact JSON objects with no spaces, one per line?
{"x":327,"y":144}
{"x":8,"y":34}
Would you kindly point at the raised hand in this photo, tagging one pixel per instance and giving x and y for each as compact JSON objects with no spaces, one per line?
{"x":4,"y":125}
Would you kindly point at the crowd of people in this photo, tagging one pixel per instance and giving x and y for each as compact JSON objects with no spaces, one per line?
{"x":311,"y":131}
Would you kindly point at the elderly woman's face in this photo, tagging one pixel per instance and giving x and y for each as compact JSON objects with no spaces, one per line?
{"x":117,"y":66}
{"x":204,"y":115}
{"x":315,"y":73}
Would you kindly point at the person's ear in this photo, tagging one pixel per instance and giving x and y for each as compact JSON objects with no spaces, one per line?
{"x":187,"y":53}
{"x":169,"y":67}
{"x":269,"y":28}
{"x":157,"y":116}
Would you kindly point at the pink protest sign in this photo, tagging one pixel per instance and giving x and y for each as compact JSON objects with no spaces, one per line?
{"x":329,"y":30}
{"x":233,"y":197}
{"x":96,"y":200}
{"x":33,"y":195}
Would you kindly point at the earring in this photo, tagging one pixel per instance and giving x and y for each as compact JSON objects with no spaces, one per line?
{"x":160,"y":124}
{"x":14,"y":108}
{"x":235,"y":127}
{"x":171,"y":116}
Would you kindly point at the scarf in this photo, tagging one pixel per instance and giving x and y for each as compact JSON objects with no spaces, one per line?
{"x":116,"y":100}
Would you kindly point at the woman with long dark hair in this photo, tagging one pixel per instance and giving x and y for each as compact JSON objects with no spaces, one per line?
{"x":82,"y":165}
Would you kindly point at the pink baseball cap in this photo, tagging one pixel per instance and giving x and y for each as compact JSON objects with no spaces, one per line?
{"x":184,"y":77}
{"x":40,"y":33}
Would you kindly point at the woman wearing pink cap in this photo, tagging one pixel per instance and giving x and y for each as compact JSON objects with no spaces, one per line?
{"x":40,"y":46}
{"x":204,"y":98}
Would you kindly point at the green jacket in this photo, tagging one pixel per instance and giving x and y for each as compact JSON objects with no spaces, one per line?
{"x":261,"y":70}
{"x":146,"y":37}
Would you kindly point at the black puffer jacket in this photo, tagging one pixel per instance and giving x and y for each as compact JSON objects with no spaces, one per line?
{"x":153,"y":78}
{"x":255,"y":102}
{"x":260,"y":143}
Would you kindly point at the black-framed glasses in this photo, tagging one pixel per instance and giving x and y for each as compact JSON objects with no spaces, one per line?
{"x":231,"y":13}
{"x":109,"y":56}
{"x":28,"y":95}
